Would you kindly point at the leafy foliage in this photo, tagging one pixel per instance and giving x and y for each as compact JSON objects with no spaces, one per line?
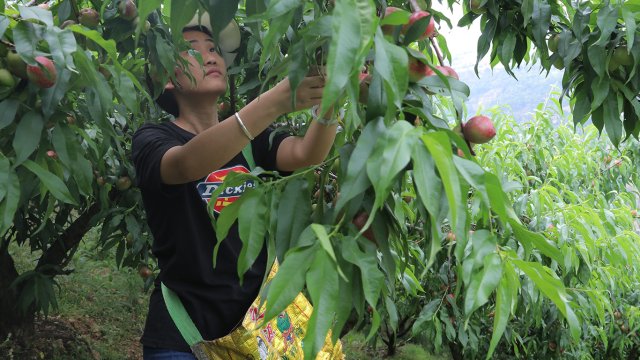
{"x":395,"y":143}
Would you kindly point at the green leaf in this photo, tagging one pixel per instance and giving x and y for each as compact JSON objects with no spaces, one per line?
{"x":27,"y":136}
{"x":69,"y":151}
{"x":344,"y":50}
{"x":253,"y":9}
{"x":4,"y":22}
{"x":279,"y":8}
{"x":607,"y":19}
{"x":417,"y":29}
{"x":252,"y":227}
{"x":146,"y":7}
{"x":99,"y":92}
{"x":612,"y":122}
{"x":391,"y":62}
{"x":440,"y":149}
{"x":502,"y":311}
{"x":600,"y":88}
{"x":427,"y":182}
{"x":298,"y":67}
{"x":294,"y":214}
{"x":530,"y":239}
{"x":325,"y":242}
{"x":108,"y":45}
{"x":36,"y":13}
{"x":8,"y":114}
{"x":541,"y":20}
{"x":367,"y":261}
{"x":390,"y":156}
{"x":125,"y":89}
{"x":51,"y":97}
{"x":507,"y":49}
{"x":224,"y":11}
{"x":527,"y":11}
{"x":226,"y":219}
{"x":62,"y":45}
{"x":629,"y":21}
{"x":9,"y":194}
{"x":497,"y":198}
{"x":26,"y":39}
{"x":181,"y":13}
{"x":356,"y":180}
{"x":483,"y":283}
{"x":582,"y":106}
{"x":484,"y":42}
{"x":547,"y":281}
{"x":598,"y":59}
{"x":289,"y":280}
{"x":398,"y":17}
{"x":277,"y":28}
{"x":323,"y":285}
{"x":51,"y":182}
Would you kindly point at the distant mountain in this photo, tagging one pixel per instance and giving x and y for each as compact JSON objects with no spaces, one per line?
{"x":494,"y":86}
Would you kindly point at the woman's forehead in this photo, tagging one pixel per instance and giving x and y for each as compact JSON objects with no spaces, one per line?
{"x":195,"y":36}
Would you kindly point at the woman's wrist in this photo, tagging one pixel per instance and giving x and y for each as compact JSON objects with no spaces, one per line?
{"x":328,"y":119}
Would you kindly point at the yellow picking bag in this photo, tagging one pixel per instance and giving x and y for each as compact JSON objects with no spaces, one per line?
{"x":280,"y":338}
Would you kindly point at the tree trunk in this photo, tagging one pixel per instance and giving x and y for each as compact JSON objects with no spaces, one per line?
{"x":456,"y":352}
{"x":12,"y":319}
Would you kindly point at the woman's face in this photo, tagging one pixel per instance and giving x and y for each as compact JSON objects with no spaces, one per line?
{"x":211,"y":76}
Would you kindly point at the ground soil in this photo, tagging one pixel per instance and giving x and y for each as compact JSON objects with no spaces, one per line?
{"x":61,"y":338}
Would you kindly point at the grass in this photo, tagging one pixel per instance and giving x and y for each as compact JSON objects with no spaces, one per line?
{"x":356,"y":348}
{"x":102,"y":305}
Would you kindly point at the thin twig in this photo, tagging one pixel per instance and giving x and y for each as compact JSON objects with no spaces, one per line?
{"x":434,"y":45}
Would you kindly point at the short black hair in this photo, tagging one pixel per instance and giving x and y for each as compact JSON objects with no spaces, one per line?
{"x":166,"y":100}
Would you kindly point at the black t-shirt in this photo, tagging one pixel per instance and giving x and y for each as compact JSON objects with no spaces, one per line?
{"x":184,"y":239}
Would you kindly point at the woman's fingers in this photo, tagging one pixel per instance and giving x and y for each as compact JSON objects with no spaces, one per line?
{"x":313,"y":82}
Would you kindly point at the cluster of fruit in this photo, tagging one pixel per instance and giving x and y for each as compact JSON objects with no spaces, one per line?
{"x":43,"y":73}
{"x":418,"y":68}
{"x":90,"y":18}
{"x":479,"y":129}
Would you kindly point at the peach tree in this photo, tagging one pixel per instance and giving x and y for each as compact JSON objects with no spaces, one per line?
{"x":390,"y":204}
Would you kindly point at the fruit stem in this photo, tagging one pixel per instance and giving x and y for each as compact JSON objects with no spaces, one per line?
{"x":416,"y":7}
{"x":437,"y":50}
{"x":7,"y":43}
{"x":465,"y":139}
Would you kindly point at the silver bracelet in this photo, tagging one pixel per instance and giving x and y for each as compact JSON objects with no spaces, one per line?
{"x":326,"y":122}
{"x":244,"y":128}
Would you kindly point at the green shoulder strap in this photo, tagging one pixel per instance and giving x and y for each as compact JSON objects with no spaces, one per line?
{"x":248,"y":155}
{"x":180,"y":317}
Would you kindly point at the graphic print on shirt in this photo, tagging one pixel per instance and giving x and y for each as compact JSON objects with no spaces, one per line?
{"x":228,"y":195}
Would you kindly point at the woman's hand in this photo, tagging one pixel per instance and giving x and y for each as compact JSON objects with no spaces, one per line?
{"x":308,"y":93}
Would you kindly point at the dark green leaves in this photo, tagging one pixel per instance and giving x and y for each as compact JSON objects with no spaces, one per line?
{"x":350,"y":34}
{"x":27,"y":136}
{"x":356,"y":180}
{"x":392,"y":153}
{"x":9,"y":193}
{"x":293,"y":214}
{"x":224,"y":11}
{"x":51,"y":182}
{"x":391,"y":63}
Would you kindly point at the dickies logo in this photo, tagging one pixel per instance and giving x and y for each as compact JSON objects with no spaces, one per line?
{"x":207,"y":187}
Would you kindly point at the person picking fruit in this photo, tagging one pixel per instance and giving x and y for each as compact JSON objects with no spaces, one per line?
{"x":179,"y":164}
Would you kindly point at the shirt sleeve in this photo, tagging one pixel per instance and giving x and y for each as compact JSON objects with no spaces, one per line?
{"x":265,"y":147}
{"x":149,"y":145}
